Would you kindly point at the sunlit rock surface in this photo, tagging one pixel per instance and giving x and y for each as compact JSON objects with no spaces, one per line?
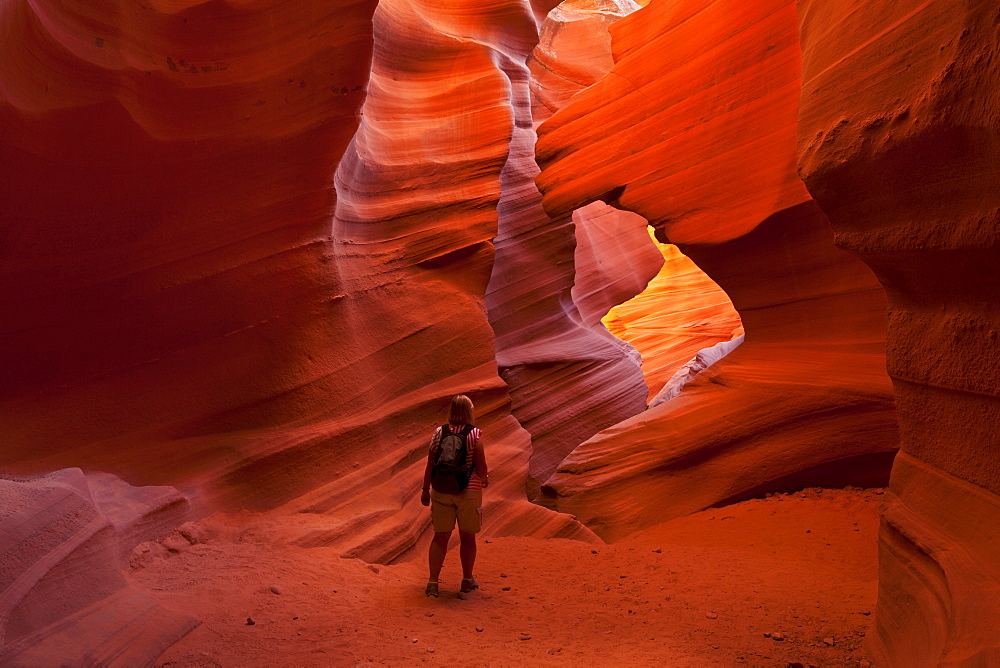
{"x":702,"y":143}
{"x":680,"y":312}
{"x":65,"y":540}
{"x":254,"y":269}
{"x":898,"y":142}
{"x":195,"y":296}
{"x":411,"y":250}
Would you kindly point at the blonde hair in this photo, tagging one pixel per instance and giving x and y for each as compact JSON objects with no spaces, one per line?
{"x":460,"y":411}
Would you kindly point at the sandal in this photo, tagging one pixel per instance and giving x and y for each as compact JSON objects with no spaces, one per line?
{"x":432,"y":589}
{"x":469,"y":584}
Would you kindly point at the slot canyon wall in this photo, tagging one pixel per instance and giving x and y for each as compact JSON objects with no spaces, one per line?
{"x":249,"y":273}
{"x":896,"y":139}
{"x":898,"y":142}
{"x":196,"y":296}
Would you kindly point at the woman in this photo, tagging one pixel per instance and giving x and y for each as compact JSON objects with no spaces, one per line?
{"x":465,"y":506}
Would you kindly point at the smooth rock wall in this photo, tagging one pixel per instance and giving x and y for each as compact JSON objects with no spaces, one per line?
{"x":418,"y":192}
{"x":166,"y":199}
{"x":199,"y":296}
{"x":552,"y":280}
{"x":899,"y":142}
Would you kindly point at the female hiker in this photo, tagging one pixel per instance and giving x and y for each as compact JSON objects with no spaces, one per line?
{"x":454,"y":478}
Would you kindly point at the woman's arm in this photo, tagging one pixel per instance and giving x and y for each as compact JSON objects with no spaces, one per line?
{"x":479,"y":458}
{"x":425,"y":493}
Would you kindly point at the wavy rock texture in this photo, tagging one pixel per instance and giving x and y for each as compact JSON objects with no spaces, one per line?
{"x":166,"y":199}
{"x":418,"y":191}
{"x":64,"y":539}
{"x":680,"y":312}
{"x":184,"y":294}
{"x":568,"y":376}
{"x":702,"y":143}
{"x":573,"y":52}
{"x":899,"y":145}
{"x":552,"y":280}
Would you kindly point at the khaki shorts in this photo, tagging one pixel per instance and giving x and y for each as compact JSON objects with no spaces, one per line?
{"x":467,"y":507}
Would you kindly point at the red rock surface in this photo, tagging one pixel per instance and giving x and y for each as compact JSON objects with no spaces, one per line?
{"x":805,"y":400}
{"x":255,"y":269}
{"x":552,"y":280}
{"x":898,"y":143}
{"x":573,"y":51}
{"x":179,"y":306}
{"x":166,"y":199}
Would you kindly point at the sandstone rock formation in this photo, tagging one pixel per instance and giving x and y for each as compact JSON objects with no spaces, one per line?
{"x":551,"y":282}
{"x":573,"y":51}
{"x":255,"y":269}
{"x":64,"y":542}
{"x":898,"y":143}
{"x":701,"y":142}
{"x":178,"y":306}
{"x":166,"y":199}
{"x":411,"y":251}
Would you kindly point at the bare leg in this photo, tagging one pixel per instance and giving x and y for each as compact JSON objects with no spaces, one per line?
{"x":468,"y":552}
{"x":435,"y":556}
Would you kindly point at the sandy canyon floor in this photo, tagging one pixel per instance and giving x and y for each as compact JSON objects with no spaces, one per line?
{"x":765,"y":582}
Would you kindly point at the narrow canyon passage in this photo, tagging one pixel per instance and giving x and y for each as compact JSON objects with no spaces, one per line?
{"x":243,"y":278}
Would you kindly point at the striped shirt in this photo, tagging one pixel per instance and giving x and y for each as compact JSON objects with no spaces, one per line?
{"x":471,"y":441}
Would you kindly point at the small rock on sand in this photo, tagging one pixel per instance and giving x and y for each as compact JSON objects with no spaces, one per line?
{"x":274,"y":589}
{"x":712,"y":615}
{"x":250,"y":621}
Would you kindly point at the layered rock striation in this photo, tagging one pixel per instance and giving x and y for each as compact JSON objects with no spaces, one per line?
{"x":418,"y":191}
{"x":702,"y":143}
{"x":166,"y":199}
{"x":552,"y":280}
{"x":898,"y":143}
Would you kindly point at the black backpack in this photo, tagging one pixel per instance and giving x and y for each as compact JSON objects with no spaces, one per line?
{"x":452,"y":468}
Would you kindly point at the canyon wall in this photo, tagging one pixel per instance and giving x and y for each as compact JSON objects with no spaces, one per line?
{"x":196,"y":295}
{"x":205,"y":300}
{"x":166,"y":198}
{"x":418,"y":193}
{"x":702,"y":143}
{"x":898,"y":142}
{"x":553,"y":278}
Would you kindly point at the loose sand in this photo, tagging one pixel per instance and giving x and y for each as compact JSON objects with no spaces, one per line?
{"x":717,"y":588}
